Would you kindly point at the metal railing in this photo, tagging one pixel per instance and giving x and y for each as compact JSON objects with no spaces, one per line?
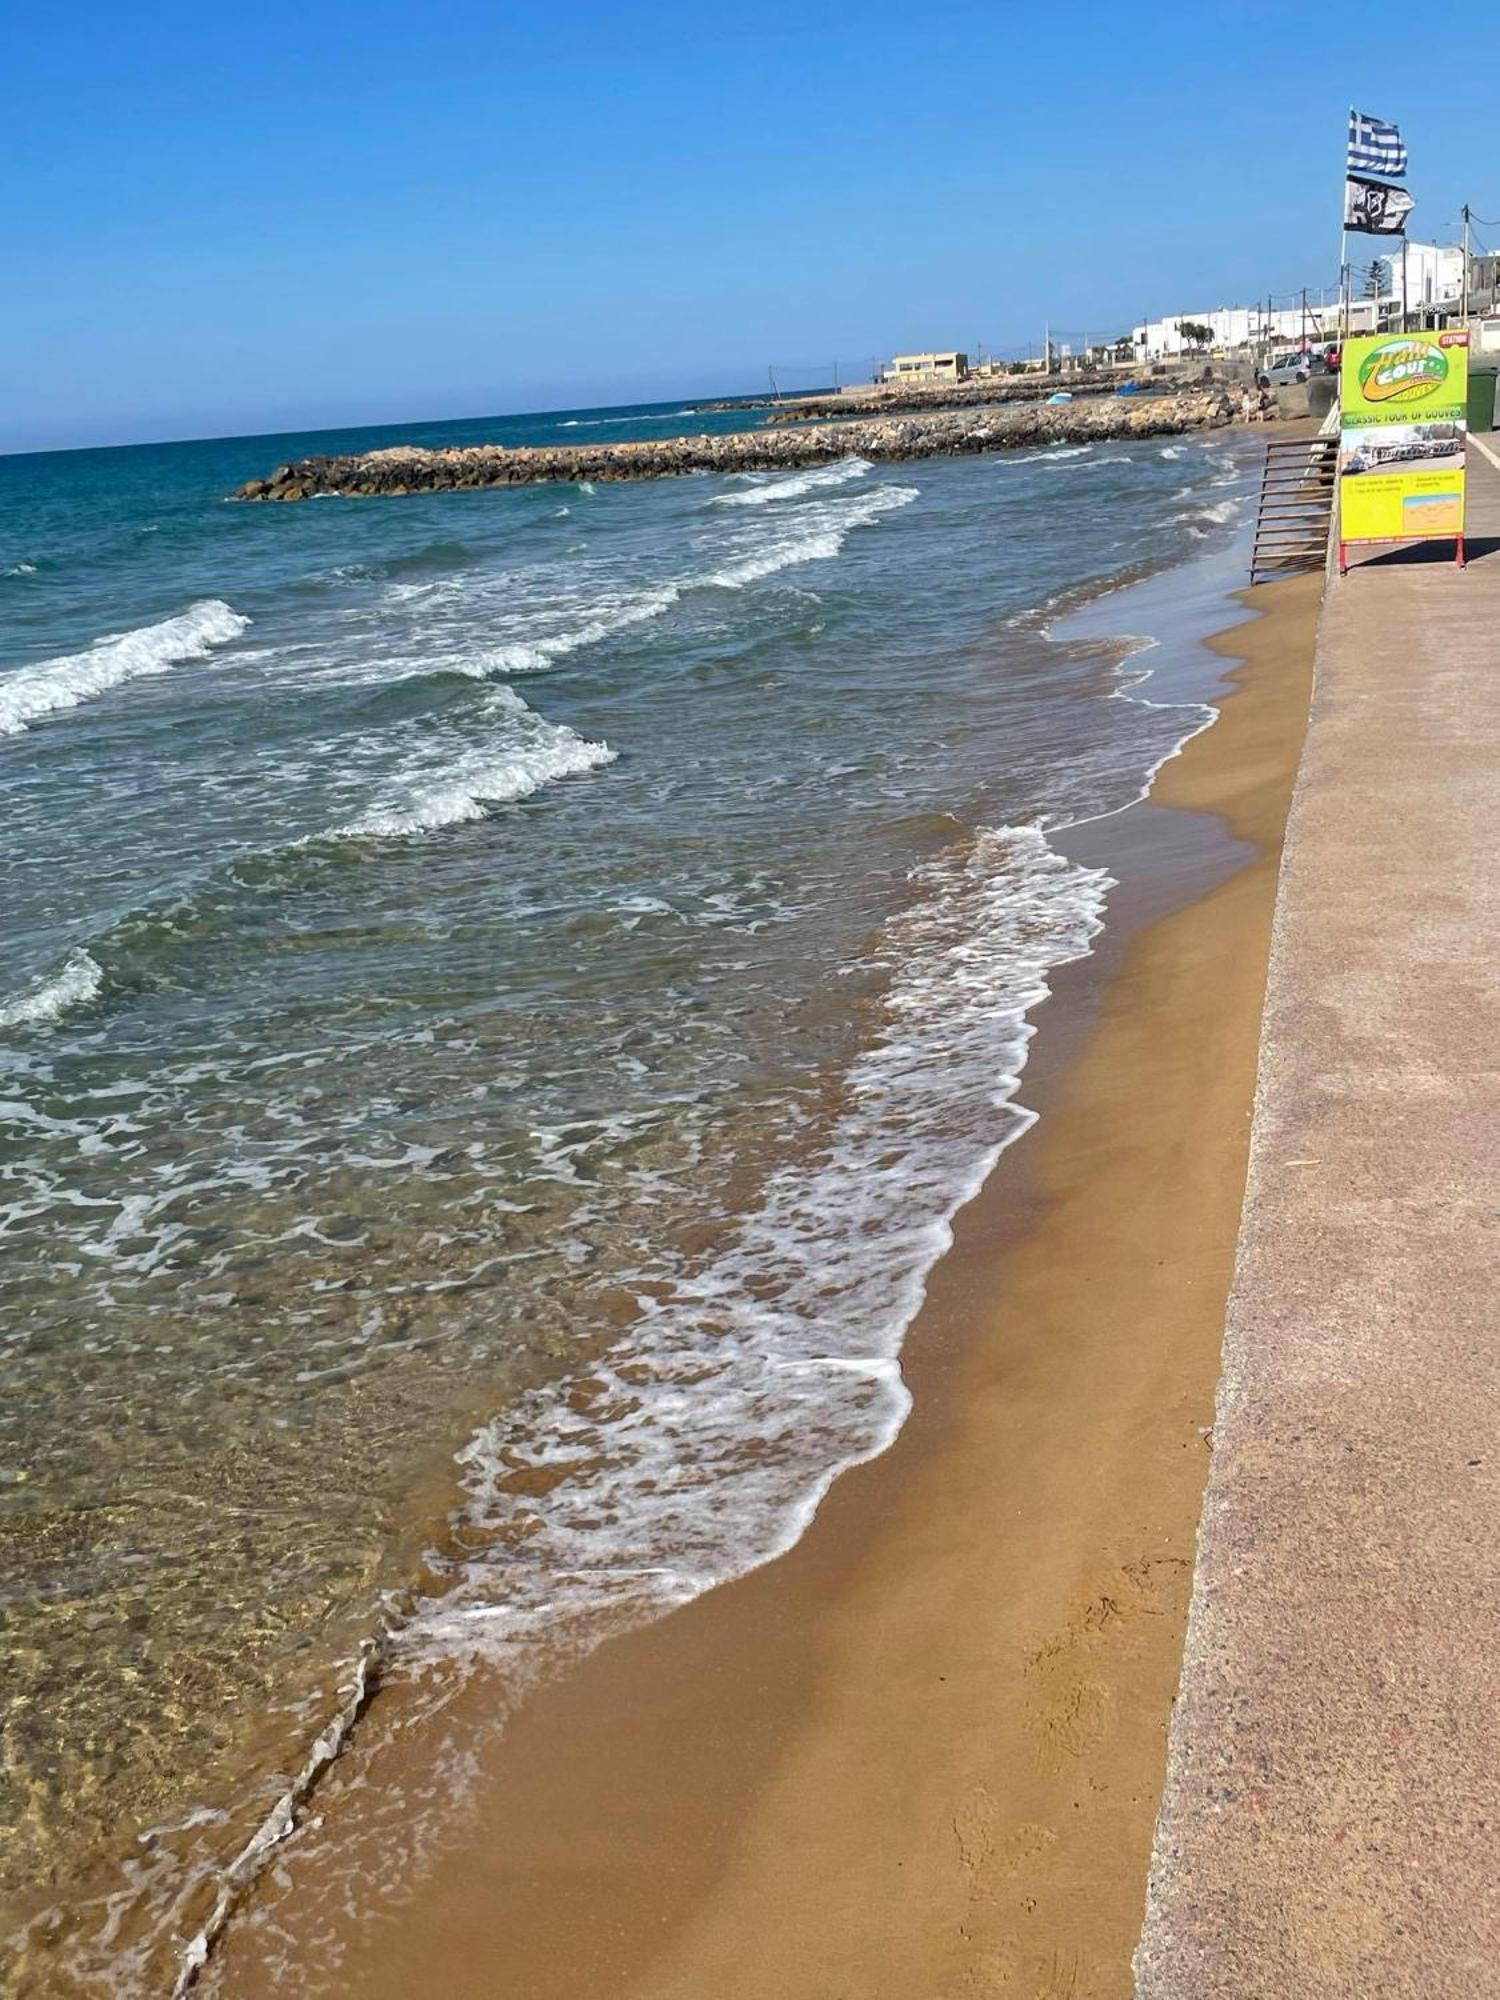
{"x":1296,"y":506}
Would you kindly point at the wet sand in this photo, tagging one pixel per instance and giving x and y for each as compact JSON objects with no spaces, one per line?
{"x":919,"y":1757}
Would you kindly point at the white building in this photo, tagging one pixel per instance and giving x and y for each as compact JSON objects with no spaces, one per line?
{"x":1434,"y":278}
{"x":1434,"y":274}
{"x":1235,"y":326}
{"x":922,"y":368}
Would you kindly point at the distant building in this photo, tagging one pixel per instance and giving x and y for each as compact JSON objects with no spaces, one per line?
{"x":1434,"y":281}
{"x":1234,"y":326}
{"x":953,"y":367}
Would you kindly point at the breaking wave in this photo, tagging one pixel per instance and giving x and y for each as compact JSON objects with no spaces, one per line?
{"x":530,"y":656}
{"x":818,"y":480}
{"x":812,"y":533}
{"x":812,"y":538}
{"x":73,"y":678}
{"x":441,"y":789}
{"x":650,"y":417}
{"x":1219,"y":514}
{"x":79,"y":979}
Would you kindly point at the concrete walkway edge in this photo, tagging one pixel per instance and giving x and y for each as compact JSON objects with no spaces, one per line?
{"x":1328,"y":1826}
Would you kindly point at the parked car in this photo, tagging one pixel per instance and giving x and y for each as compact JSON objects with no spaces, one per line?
{"x":1282,"y":369}
{"x":1333,"y":355}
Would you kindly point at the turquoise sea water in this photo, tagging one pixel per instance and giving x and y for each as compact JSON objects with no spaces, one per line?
{"x":501,"y":993}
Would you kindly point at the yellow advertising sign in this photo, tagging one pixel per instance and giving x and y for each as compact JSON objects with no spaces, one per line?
{"x":1404,"y":398}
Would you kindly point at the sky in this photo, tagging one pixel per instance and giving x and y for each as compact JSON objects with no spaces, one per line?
{"x":220,"y":220}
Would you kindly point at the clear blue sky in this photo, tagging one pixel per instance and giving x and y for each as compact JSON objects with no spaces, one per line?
{"x":282,"y":215}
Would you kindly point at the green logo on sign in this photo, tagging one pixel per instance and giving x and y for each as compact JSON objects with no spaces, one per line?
{"x":1402,"y":371}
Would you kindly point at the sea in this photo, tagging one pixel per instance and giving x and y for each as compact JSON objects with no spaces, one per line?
{"x":501,"y":997}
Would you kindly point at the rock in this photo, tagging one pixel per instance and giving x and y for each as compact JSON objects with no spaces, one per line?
{"x":400,"y":469}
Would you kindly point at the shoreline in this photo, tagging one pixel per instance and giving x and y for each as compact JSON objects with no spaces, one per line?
{"x":668,"y":1674}
{"x":204,"y":1909}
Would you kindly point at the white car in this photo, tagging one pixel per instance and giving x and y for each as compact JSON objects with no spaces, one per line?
{"x":1282,"y":369}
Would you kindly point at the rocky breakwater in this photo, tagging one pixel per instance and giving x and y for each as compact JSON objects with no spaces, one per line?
{"x":889,"y":398}
{"x":400,"y":469}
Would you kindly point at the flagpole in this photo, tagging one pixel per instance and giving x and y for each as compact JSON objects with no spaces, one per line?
{"x":1344,"y":243}
{"x":1343,"y":289}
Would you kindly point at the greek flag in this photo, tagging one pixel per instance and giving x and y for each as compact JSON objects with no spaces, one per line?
{"x":1374,"y":146}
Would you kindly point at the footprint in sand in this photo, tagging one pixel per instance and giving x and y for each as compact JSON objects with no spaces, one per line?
{"x":1068,"y":1711}
{"x":974,"y":1827}
{"x":1006,"y":1972}
{"x":983,"y":1849}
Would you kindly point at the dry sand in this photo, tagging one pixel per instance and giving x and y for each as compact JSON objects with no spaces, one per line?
{"x":919,"y":1757}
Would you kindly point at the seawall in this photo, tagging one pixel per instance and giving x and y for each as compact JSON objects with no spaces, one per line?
{"x":1327,"y":1830}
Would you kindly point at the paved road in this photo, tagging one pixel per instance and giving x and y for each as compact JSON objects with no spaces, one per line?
{"x":1329,"y":1828}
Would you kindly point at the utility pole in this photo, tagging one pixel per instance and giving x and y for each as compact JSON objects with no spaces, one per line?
{"x":1403,"y":281}
{"x":1463,"y":308}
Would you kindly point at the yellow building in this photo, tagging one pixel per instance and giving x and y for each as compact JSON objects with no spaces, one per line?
{"x":952,"y":367}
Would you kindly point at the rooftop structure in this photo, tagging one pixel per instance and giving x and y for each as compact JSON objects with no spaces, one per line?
{"x":950,"y":367}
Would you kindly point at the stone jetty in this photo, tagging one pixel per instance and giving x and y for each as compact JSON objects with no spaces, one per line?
{"x":878,"y":399}
{"x":401,"y":469}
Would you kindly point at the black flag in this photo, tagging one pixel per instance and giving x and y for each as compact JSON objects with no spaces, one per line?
{"x":1372,"y":208}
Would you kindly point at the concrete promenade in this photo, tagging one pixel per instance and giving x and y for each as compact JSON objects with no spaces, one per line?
{"x":1330,"y":1828}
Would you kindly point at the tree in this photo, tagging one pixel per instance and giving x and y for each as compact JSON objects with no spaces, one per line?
{"x":1195,"y":333}
{"x":1374,"y":280}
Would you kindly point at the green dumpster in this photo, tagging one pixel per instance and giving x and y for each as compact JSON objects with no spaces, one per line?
{"x":1481,"y":399}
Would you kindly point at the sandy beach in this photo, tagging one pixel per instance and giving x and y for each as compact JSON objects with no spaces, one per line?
{"x":921,"y":1754}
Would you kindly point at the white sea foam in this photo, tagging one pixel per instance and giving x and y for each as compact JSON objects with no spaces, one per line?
{"x":817,"y":480}
{"x":703,"y":1444}
{"x":1173,"y":451}
{"x":444,"y":786}
{"x":612,"y":615}
{"x":72,"y":678}
{"x":1056,"y":454}
{"x":1217,"y":514}
{"x":814,"y":534}
{"x":78,"y":979}
{"x":22,"y":569}
{"x":813,"y":531}
{"x":651,"y":417}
